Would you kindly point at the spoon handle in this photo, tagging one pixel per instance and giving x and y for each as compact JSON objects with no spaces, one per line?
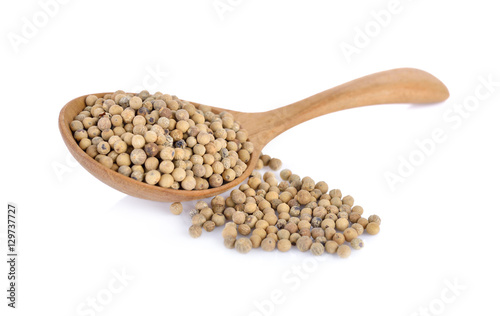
{"x":402,"y":85}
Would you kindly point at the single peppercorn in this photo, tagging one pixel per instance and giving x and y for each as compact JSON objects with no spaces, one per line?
{"x":275,"y":163}
{"x":283,"y":234}
{"x":153,"y":177}
{"x":359,"y":228}
{"x":374,"y":219}
{"x":341,"y":224}
{"x":176,"y":208}
{"x":239,"y":217}
{"x":195,"y":231}
{"x":344,"y":251}
{"x":331,"y":246}
{"x":349,"y":200}
{"x":285,"y":174}
{"x":339,"y":238}
{"x":321,"y":239}
{"x":357,"y":243}
{"x":308,"y":184}
{"x":335,"y":193}
{"x":256,"y":240}
{"x":207,"y":212}
{"x":283,"y":245}
{"x":317,"y":232}
{"x":268,"y":244}
{"x":363,"y":222}
{"x":238,"y":196}
{"x":198,"y":219}
{"x":303,"y":197}
{"x":244,"y":229}
{"x":294,"y":237}
{"x":357,"y":209}
{"x":304,"y":243}
{"x":243,"y":245}
{"x":329,"y":232}
{"x":218,"y":219}
{"x":200,"y":205}
{"x":229,"y":242}
{"x":350,"y":233}
{"x":265,"y":159}
{"x":353,"y":217}
{"x":193,"y":212}
{"x":316,"y":222}
{"x":372,"y":228}
{"x":317,"y":249}
{"x":229,"y":231}
{"x":322,"y":187}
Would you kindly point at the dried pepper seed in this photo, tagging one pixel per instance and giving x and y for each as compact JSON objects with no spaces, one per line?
{"x":357,"y":243}
{"x":275,"y":163}
{"x":229,"y":232}
{"x":198,"y":219}
{"x":339,"y":238}
{"x":268,"y":244}
{"x":243,"y":245}
{"x":201,"y":205}
{"x":359,"y":228}
{"x":193,"y":212}
{"x":348,"y":200}
{"x":350,"y":233}
{"x":374,"y":219}
{"x":341,"y":224}
{"x":244,"y":229}
{"x":195,"y":231}
{"x":372,"y":228}
{"x":285,"y":174}
{"x":363,"y":222}
{"x":344,"y":251}
{"x":304,"y":243}
{"x":357,"y":209}
{"x":256,"y":241}
{"x":331,"y":247}
{"x":317,"y":249}
{"x":176,"y":208}
{"x":284,"y":245}
{"x":229,"y":242}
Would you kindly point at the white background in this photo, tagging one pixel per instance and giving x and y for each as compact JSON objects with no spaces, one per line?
{"x":438,"y":227}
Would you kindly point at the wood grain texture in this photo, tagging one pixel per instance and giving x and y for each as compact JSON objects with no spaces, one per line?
{"x":403,"y":85}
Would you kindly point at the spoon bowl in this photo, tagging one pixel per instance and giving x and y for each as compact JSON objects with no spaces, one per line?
{"x":402,"y":85}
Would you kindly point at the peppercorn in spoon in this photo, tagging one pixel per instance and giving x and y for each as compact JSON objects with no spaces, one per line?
{"x":403,"y":85}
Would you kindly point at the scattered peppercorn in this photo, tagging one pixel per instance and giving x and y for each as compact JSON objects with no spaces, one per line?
{"x":317,"y":249}
{"x":344,"y":251}
{"x":350,"y":233}
{"x":372,"y":228}
{"x":229,"y":242}
{"x":243,"y":245}
{"x":195,"y":231}
{"x":268,"y":244}
{"x":269,"y":214}
{"x":331,"y":247}
{"x":357,"y":243}
{"x":176,"y":208}
{"x":304,"y":243}
{"x":275,"y":163}
{"x":374,"y":219}
{"x":284,"y":245}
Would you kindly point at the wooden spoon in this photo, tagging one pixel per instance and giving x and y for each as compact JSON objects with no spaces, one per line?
{"x":404,"y":85}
